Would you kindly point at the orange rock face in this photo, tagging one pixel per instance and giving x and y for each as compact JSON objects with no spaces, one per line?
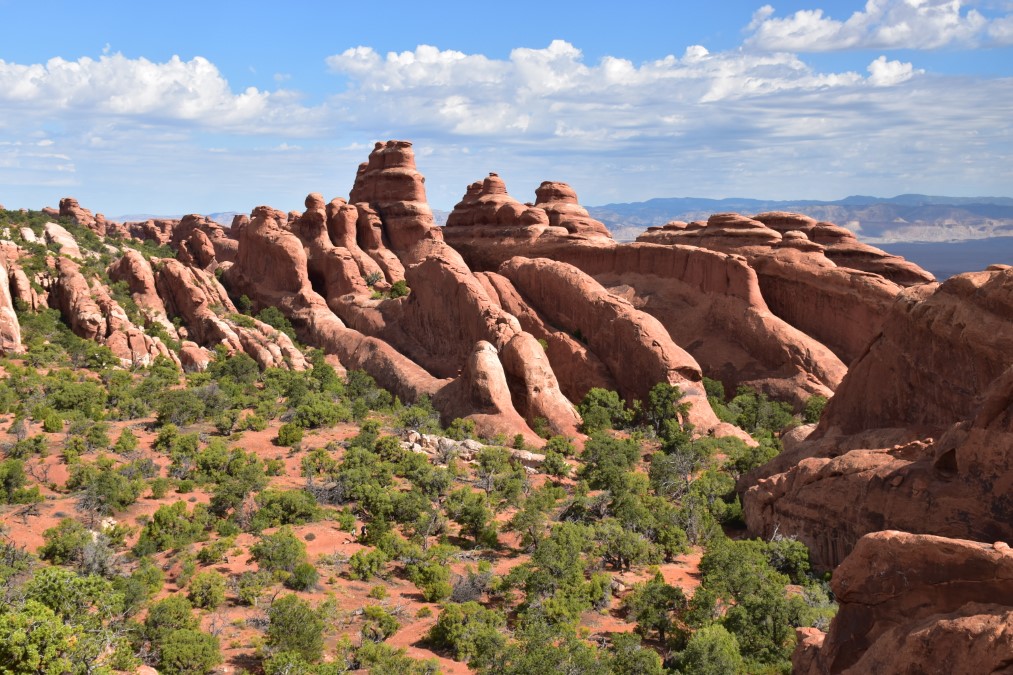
{"x":816,"y":276}
{"x":694,"y":292}
{"x":916,"y":603}
{"x":10,"y":329}
{"x":922,"y":424}
{"x":318,"y":267}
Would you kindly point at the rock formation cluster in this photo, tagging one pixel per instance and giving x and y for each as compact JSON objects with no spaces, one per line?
{"x":514,"y":311}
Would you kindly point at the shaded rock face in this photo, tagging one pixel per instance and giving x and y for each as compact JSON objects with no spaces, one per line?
{"x":10,"y":329}
{"x":916,"y":603}
{"x":816,"y":276}
{"x":922,"y":424}
{"x":709,"y":302}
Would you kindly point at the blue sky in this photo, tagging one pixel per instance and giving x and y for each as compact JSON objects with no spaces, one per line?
{"x":180,"y":108}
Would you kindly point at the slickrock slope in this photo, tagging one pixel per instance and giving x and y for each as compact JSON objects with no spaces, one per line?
{"x":916,"y":604}
{"x":816,"y":276}
{"x":709,"y":302}
{"x":941,"y":369}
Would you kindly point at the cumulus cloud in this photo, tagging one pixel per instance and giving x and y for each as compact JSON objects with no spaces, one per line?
{"x":883,"y":73}
{"x":743,"y":121}
{"x":114,"y":85}
{"x":883,"y":24}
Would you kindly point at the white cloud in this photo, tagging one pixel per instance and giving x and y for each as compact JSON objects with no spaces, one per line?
{"x":883,"y":24}
{"x":114,"y":85}
{"x":883,"y":73}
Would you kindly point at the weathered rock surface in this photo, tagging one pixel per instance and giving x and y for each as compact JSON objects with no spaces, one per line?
{"x":69,"y":208}
{"x":919,"y":604}
{"x":694,"y":292}
{"x":10,"y":329}
{"x":204,"y":307}
{"x":816,"y":276}
{"x":58,"y":234}
{"x":92,"y":314}
{"x":437,"y":340}
{"x":873,"y":464}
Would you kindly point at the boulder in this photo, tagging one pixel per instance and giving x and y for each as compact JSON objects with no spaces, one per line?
{"x":917,"y":603}
{"x":57,"y":234}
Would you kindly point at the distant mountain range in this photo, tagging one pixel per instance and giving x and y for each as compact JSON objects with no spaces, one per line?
{"x":221,"y":217}
{"x":877,"y":220}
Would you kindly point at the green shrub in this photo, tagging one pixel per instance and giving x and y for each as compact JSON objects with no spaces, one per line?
{"x":207,"y":590}
{"x":365,"y":564}
{"x":289,"y":434}
{"x":295,"y":627}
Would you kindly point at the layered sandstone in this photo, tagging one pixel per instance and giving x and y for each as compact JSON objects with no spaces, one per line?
{"x":916,"y":603}
{"x":816,"y":276}
{"x":432,"y":341}
{"x":692,"y":291}
{"x":923,"y":423}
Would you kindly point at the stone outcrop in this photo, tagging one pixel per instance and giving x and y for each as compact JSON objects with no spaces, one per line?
{"x":916,"y":603}
{"x":10,"y":329}
{"x":69,"y":208}
{"x":205,"y":308}
{"x":436,"y":341}
{"x":816,"y":276}
{"x":934,"y":436}
{"x":692,"y":291}
{"x":58,"y":234}
{"x":93,"y":314}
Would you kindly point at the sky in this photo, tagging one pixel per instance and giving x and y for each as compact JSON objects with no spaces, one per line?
{"x":192,"y":107}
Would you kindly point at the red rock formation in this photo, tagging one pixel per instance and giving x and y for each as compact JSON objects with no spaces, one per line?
{"x":10,"y":329}
{"x":57,"y":234}
{"x":205,"y":308}
{"x":92,"y":314}
{"x":633,"y":345}
{"x":69,"y":208}
{"x":202,"y":241}
{"x":692,"y":291}
{"x":843,"y":248}
{"x":425,"y":343}
{"x":917,"y":603}
{"x":860,"y":472}
{"x":815,"y":276}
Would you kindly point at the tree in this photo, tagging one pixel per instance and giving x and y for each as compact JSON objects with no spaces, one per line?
{"x":630,"y":658}
{"x":33,"y":641}
{"x":65,"y":542}
{"x":189,"y":652}
{"x":380,"y":624}
{"x":470,"y":510}
{"x":602,"y":409}
{"x":656,"y":606}
{"x":166,"y":616}
{"x":207,"y":590}
{"x":471,"y":632}
{"x":279,"y":553}
{"x":295,"y":627}
{"x":711,"y":650}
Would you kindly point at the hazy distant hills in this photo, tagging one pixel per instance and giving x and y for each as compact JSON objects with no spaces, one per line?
{"x":877,"y":220}
{"x":222,"y":217}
